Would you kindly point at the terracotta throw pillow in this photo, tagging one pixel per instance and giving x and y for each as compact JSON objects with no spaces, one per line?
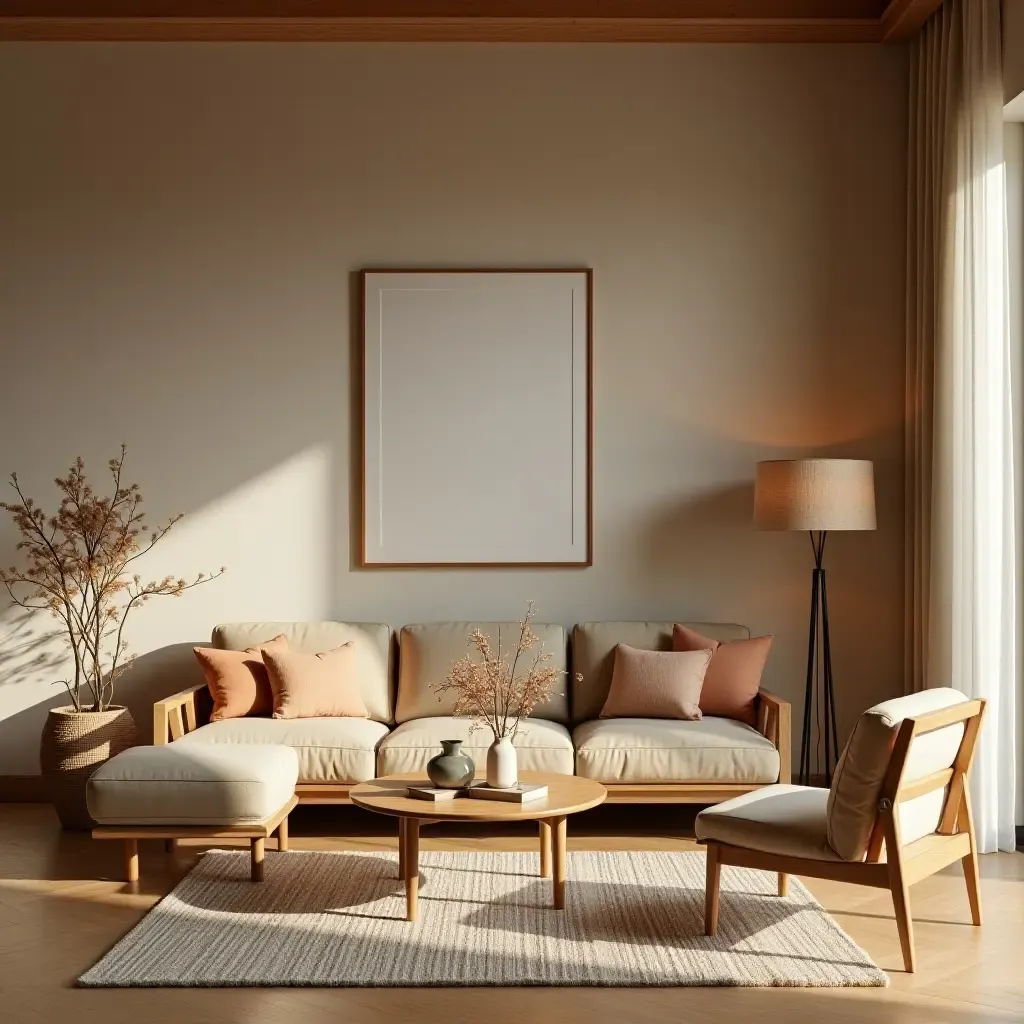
{"x":733,"y":676}
{"x":238,"y":680}
{"x":656,"y":684}
{"x":316,"y":685}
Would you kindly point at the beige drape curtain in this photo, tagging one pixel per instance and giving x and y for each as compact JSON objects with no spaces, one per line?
{"x":961,"y":555}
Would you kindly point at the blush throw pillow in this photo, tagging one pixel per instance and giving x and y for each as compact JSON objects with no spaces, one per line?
{"x":316,"y":685}
{"x":733,"y":676}
{"x":656,"y":684}
{"x":238,"y":680}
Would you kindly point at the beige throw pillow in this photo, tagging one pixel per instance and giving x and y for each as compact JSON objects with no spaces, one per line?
{"x":656,"y":684}
{"x":315,"y":685}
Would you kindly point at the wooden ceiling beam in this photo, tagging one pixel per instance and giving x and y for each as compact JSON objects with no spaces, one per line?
{"x":608,"y":21}
{"x":903,"y":19}
{"x":452,"y":29}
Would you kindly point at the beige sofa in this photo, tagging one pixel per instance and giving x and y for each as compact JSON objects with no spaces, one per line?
{"x":638,"y":760}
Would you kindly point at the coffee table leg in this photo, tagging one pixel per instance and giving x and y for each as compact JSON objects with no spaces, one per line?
{"x":545,"y":849}
{"x":412,"y":867}
{"x":401,"y":848}
{"x":557,"y":827}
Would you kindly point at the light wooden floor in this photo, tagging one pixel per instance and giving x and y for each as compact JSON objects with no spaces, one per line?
{"x":58,"y":915}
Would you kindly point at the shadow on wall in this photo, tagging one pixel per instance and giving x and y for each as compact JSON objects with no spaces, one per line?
{"x":696,"y":537}
{"x":151,"y":677}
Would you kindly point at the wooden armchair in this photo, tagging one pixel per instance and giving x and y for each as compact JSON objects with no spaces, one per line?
{"x":899,"y":810}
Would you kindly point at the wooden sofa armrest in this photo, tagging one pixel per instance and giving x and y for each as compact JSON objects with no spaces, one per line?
{"x":175,"y":715}
{"x":774,"y":719}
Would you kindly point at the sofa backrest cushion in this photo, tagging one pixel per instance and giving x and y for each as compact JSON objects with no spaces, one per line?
{"x":428,"y":649}
{"x":593,"y":654}
{"x":853,"y":798}
{"x":372,"y":642}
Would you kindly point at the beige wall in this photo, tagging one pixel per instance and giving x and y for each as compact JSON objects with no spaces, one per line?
{"x":178,"y":230}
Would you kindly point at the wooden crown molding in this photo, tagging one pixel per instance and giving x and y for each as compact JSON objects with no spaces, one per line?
{"x":505,"y":21}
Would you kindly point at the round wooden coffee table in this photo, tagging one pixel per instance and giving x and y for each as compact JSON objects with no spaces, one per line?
{"x":567,"y":795}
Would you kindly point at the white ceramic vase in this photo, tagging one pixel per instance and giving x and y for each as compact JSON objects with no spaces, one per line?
{"x":502,"y":764}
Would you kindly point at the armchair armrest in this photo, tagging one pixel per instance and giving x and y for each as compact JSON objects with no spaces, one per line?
{"x":774,"y":716}
{"x":175,"y":715}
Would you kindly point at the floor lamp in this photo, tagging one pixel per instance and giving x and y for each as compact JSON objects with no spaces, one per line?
{"x":819,"y":496}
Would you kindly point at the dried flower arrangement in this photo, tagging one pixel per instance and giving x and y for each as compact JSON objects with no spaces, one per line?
{"x":77,"y":569}
{"x":490,"y":692}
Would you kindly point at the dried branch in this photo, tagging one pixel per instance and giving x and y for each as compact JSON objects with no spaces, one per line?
{"x":77,"y":562}
{"x":490,"y":692}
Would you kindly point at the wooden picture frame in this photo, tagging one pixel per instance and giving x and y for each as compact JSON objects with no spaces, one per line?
{"x":476,"y":418}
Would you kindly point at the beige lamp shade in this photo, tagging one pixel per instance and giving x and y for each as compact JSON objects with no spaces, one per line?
{"x":815,"y":494}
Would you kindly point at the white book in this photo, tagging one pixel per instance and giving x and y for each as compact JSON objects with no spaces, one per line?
{"x":521,"y":794}
{"x":432,"y":793}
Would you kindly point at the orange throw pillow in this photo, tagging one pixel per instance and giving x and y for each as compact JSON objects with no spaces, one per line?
{"x":734,"y":673}
{"x":656,"y":684}
{"x":238,"y":680}
{"x":316,"y":685}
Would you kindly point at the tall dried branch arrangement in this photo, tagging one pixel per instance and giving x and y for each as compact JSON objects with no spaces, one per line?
{"x":490,"y":692}
{"x":78,"y":568}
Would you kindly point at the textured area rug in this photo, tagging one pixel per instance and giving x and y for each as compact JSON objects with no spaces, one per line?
{"x":484,"y":919}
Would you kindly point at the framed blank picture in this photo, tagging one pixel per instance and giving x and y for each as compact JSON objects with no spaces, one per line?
{"x":477,"y":428}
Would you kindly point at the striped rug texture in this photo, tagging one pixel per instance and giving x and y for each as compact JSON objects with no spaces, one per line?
{"x":329,"y":919}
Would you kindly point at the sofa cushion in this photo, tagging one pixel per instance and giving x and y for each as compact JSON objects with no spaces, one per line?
{"x":329,"y":749}
{"x":786,"y":820}
{"x":192,"y":785}
{"x":426,"y":653}
{"x":656,"y":684}
{"x":733,"y":676}
{"x":853,"y":798}
{"x":593,"y":655}
{"x":540,"y":746}
{"x":373,"y":649}
{"x":238,"y":680}
{"x":664,"y":750}
{"x":324,"y":685}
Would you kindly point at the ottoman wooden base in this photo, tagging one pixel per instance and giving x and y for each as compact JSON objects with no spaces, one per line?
{"x":256,"y":832}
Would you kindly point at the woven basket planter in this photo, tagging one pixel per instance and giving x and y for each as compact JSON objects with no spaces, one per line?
{"x":73,"y":745}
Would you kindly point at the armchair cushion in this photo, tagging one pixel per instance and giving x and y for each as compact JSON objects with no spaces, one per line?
{"x":785,"y":820}
{"x":853,"y":799}
{"x":667,"y":750}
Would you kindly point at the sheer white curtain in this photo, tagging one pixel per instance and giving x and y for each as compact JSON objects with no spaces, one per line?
{"x":961,"y":547}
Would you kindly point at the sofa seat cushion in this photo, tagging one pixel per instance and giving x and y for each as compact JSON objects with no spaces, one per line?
{"x":330,"y":749}
{"x":541,"y":746}
{"x":664,"y":750}
{"x":785,"y":820}
{"x":192,"y":784}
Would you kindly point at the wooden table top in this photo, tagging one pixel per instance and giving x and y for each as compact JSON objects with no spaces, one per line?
{"x":567,"y":794}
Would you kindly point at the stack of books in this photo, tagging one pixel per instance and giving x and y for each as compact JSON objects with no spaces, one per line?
{"x":521,"y":794}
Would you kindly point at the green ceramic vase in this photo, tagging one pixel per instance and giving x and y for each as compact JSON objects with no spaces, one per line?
{"x":451,"y":769}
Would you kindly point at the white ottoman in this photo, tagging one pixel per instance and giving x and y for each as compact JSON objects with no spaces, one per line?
{"x":181,"y":791}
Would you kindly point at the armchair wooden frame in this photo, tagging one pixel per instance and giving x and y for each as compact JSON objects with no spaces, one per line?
{"x":179,"y":714}
{"x":901,"y":866}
